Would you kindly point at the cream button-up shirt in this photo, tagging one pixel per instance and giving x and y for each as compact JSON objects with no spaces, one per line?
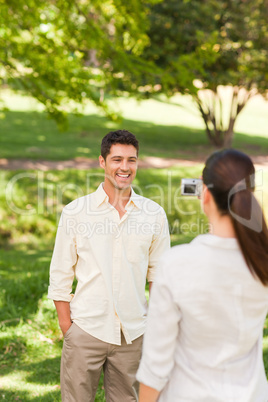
{"x":111,"y":259}
{"x":203,"y":340}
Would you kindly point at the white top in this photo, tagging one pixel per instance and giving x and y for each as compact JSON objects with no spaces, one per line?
{"x":111,"y":258}
{"x":203,"y":340}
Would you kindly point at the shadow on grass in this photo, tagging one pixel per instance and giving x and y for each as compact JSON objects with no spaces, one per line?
{"x":36,"y":376}
{"x":253,"y":145}
{"x":19,"y":396}
{"x":33,"y":376}
{"x":32,"y":135}
{"x":43,"y":372}
{"x":24,"y":280}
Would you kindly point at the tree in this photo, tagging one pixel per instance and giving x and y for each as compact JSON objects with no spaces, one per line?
{"x":79,"y":50}
{"x":201,"y":46}
{"x":63,"y":50}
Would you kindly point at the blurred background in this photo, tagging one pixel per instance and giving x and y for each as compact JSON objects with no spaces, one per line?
{"x":186,"y":77}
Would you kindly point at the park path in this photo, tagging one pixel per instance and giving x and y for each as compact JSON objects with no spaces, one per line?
{"x":87,"y":163}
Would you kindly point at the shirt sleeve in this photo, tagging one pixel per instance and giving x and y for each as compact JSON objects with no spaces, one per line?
{"x":64,"y":258}
{"x":160,"y":336}
{"x":160,"y":244}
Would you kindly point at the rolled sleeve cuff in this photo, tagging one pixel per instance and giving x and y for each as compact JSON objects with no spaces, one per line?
{"x":59,"y":295}
{"x":151,"y":274}
{"x":145,"y":376}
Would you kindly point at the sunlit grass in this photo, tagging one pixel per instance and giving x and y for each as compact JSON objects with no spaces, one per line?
{"x":164,"y":128}
{"x":30,"y":339}
{"x":16,"y":386}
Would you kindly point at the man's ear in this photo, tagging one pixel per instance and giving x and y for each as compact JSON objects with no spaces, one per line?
{"x":102,"y":162}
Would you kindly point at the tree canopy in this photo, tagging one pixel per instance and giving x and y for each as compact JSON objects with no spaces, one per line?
{"x":201,"y":46}
{"x":77,"y":50}
{"x":70,"y":49}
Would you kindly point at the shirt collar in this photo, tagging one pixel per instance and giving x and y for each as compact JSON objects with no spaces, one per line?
{"x":135,"y":199}
{"x":217,"y":241}
{"x":101,"y":197}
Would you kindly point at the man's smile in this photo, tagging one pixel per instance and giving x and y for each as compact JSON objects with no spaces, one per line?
{"x":122,"y":176}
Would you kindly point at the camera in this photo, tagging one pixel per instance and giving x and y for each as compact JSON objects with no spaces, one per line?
{"x":191,"y":187}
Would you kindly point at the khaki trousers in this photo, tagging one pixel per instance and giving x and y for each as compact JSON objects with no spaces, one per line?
{"x":83,"y":359}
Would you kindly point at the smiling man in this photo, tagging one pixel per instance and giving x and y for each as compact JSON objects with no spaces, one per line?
{"x":110,"y":241}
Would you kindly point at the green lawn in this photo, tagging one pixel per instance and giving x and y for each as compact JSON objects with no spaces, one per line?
{"x":164,"y":130}
{"x":31,"y":202}
{"x":30,"y":340}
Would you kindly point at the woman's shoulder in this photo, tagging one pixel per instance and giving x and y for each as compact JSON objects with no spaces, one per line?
{"x":186,"y":249}
{"x":206,"y":253}
{"x":176,"y":259}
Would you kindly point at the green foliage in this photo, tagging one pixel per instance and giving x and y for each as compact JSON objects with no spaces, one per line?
{"x":69,"y":50}
{"x":67,"y":53}
{"x":200,"y":44}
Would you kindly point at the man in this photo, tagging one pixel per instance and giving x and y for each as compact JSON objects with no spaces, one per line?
{"x":110,"y":240}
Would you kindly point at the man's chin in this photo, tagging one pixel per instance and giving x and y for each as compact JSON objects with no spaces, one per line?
{"x":122,"y":187}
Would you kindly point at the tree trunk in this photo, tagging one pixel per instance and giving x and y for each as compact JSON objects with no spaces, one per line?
{"x":214,"y":135}
{"x":228,"y":138}
{"x":229,"y":133}
{"x":212,"y":114}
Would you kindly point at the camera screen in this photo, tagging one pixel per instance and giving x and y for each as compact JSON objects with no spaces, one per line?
{"x":190,"y":188}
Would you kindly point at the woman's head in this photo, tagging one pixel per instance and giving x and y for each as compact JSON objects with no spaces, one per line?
{"x":230,"y":177}
{"x":224,"y":172}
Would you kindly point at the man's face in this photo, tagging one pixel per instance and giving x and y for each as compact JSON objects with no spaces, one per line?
{"x":120,"y":166}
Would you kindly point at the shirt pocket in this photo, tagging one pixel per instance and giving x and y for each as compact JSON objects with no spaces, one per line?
{"x":138,"y":248}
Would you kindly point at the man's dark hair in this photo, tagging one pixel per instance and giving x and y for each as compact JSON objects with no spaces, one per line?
{"x":118,"y":137}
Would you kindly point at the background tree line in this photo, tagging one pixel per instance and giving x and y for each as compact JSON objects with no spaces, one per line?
{"x":72,"y":50}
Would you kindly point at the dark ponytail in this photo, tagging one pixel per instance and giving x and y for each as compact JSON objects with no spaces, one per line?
{"x":230,"y":177}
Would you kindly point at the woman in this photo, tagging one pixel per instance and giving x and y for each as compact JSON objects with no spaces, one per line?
{"x":203,"y":340}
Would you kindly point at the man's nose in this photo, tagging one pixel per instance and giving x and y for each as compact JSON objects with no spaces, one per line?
{"x":124,"y":165}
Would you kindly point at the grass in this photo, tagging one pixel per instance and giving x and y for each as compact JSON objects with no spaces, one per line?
{"x":31,"y":135}
{"x":31,"y":202}
{"x":30,"y":340}
{"x":164,"y":129}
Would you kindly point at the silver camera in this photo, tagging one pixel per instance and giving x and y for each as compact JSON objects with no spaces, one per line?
{"x":191,"y":187}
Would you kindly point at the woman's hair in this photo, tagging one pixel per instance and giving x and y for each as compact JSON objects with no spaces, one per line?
{"x":230,"y":177}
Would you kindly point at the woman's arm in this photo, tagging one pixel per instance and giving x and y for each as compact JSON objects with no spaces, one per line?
{"x":160,"y":339}
{"x":148,"y":394}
